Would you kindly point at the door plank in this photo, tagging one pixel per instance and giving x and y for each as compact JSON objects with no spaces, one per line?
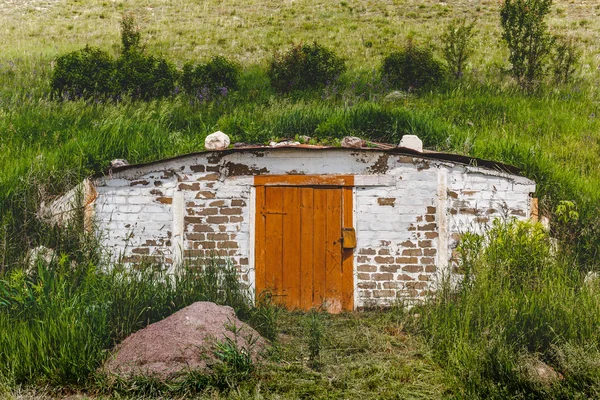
{"x":306,"y":247}
{"x":291,"y":247}
{"x":333,"y":274}
{"x":274,"y":240}
{"x":348,"y":254}
{"x":319,"y":246}
{"x":259,"y":238}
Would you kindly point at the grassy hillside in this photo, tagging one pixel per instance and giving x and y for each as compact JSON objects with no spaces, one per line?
{"x":552,"y":134}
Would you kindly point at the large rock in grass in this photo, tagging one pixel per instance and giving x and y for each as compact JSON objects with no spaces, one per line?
{"x":184,"y":341}
{"x":538,"y":372}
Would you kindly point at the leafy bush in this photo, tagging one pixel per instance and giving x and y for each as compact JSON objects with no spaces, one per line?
{"x":565,"y":58}
{"x":145,"y":77}
{"x":413,"y":68}
{"x":85,"y":73}
{"x":214,"y":78}
{"x":526,"y":35}
{"x":304,"y":66}
{"x":458,"y":45}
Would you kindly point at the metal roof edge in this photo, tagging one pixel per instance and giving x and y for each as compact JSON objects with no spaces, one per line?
{"x":431,"y":155}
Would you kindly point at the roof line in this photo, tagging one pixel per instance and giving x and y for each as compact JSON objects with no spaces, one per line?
{"x":427,"y":154}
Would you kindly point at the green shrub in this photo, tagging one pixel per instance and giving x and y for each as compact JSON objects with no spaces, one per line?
{"x":85,"y":73}
{"x":412,"y":69}
{"x":458,"y":45}
{"x":215,"y":78}
{"x":525,"y":32}
{"x":304,"y":66}
{"x":145,"y":77}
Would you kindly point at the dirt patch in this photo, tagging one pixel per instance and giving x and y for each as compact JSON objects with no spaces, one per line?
{"x":181,"y":342}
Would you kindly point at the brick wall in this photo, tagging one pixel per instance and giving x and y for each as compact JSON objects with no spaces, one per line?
{"x":408,"y":211}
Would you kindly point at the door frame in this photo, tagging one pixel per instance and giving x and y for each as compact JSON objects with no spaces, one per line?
{"x":345,"y":182}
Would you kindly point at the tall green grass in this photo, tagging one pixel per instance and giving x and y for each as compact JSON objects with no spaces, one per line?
{"x":58,"y":322}
{"x":520,"y":300}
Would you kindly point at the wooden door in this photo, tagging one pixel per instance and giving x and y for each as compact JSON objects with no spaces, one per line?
{"x":299,"y":254}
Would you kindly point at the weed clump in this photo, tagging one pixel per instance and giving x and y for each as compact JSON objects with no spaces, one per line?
{"x":213,"y":79}
{"x":412,"y":69}
{"x":305,"y":66}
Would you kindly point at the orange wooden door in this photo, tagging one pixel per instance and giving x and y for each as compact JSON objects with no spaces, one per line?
{"x":299,"y":253}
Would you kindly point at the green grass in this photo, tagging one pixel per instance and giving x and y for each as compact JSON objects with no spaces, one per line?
{"x":58,"y":322}
{"x":519,"y":300}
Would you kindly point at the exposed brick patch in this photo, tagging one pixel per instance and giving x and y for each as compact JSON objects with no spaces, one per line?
{"x":208,"y":177}
{"x":197,"y":168}
{"x":189,"y":186}
{"x":389,"y":201}
{"x":238,"y":203}
{"x":142,"y":182}
{"x":205,"y":195}
{"x":165,"y":200}
{"x":369,"y":252}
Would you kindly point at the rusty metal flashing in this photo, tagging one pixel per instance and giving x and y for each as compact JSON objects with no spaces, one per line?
{"x":426,"y":154}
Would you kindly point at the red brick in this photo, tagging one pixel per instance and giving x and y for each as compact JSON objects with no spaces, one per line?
{"x":382,"y":277}
{"x":231,"y":211}
{"x":217,"y":219}
{"x":205,"y":195}
{"x":429,"y":252}
{"x":189,"y":186}
{"x":389,"y":268}
{"x":227,"y":245}
{"x":238,"y":203}
{"x":407,"y":260}
{"x":384,"y":260}
{"x":412,"y":268}
{"x":412,"y":252}
{"x":209,"y":177}
{"x":366,"y":268}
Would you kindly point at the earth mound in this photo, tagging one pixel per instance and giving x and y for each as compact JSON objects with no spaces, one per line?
{"x":183,"y":341}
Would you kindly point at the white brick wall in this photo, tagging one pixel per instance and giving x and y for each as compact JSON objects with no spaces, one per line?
{"x":401,"y":206}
